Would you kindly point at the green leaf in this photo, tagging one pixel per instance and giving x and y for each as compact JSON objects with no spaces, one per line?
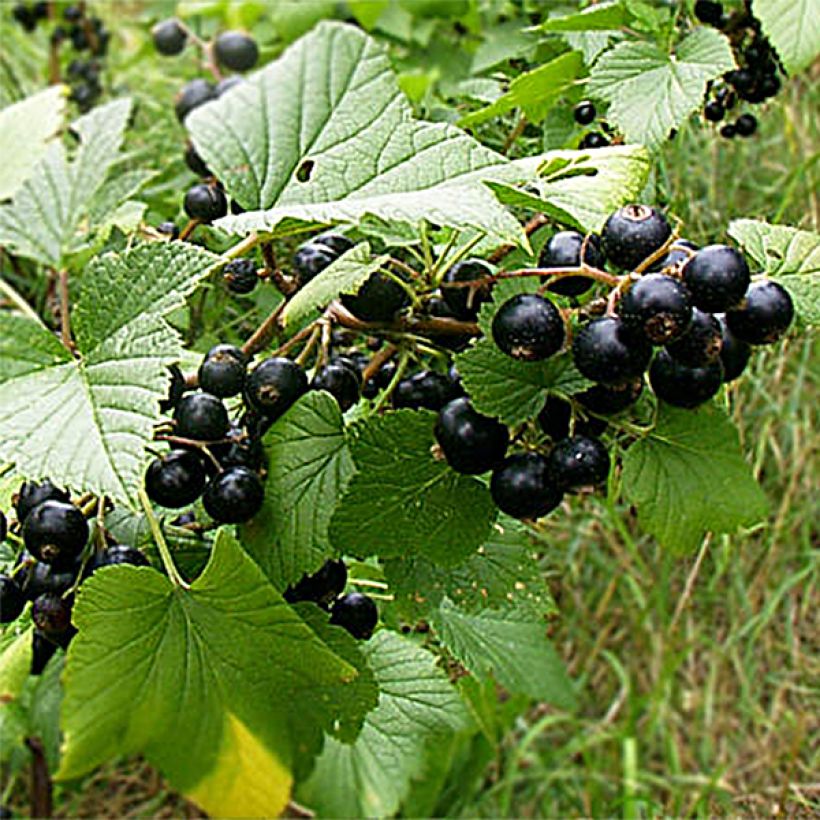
{"x":309,"y":469}
{"x":787,"y":254}
{"x":342,"y":144}
{"x":602,"y":17}
{"x":688,"y":477}
{"x":793,"y":26}
{"x":15,"y":663}
{"x":84,"y":421}
{"x":216,"y":685}
{"x":417,"y":707}
{"x":46,"y":220}
{"x":26,"y":128}
{"x":651,"y":92}
{"x":402,"y":501}
{"x":509,"y":645}
{"x":344,"y":275}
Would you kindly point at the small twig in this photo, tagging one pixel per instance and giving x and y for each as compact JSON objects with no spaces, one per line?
{"x":41,"y":787}
{"x":401,"y":366}
{"x":538,"y":221}
{"x":302,"y":358}
{"x":284,"y":285}
{"x":586,"y":271}
{"x":189,"y":442}
{"x":690,"y":583}
{"x":162,"y":545}
{"x":303,"y":334}
{"x":264,"y":333}
{"x":434,"y":326}
{"x":376,"y":363}
{"x":658,"y":254}
{"x":241,"y":248}
{"x":514,"y":134}
{"x":327,"y":340}
{"x":65,"y":320}
{"x":188,"y":229}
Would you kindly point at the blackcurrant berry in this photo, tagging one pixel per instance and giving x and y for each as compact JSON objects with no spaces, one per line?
{"x":523,"y":488}
{"x":764,"y":315}
{"x":55,"y":532}
{"x":337,"y":242}
{"x":176,"y":389}
{"x":51,"y":614}
{"x":12,"y":600}
{"x":683,"y":386}
{"x":114,"y":555}
{"x":169,"y":229}
{"x":274,"y":385}
{"x":323,"y":587}
{"x":193,"y":94}
{"x":227,"y":83}
{"x":563,"y":250}
{"x":32,"y":494}
{"x":728,"y":131}
{"x":713,"y":111}
{"x":357,"y":613}
{"x":201,"y":417}
{"x":310,"y":260}
{"x":734,"y":353}
{"x":4,"y":527}
{"x":584,"y":113}
{"x":746,"y":125}
{"x":176,"y":479}
{"x":24,"y":16}
{"x":36,"y":578}
{"x":169,"y":37}
{"x":717,"y":277}
{"x":236,"y":208}
{"x":769,"y":86}
{"x":240,"y":275}
{"x":700,"y":344}
{"x":528,"y":327}
{"x":594,"y":139}
{"x":555,"y":417}
{"x":222,"y":372}
{"x":472,"y":443}
{"x":341,"y":381}
{"x":606,"y":400}
{"x":236,"y":50}
{"x":709,"y":12}
{"x":233,"y":496}
{"x":632,"y":234}
{"x":464,"y":303}
{"x":379,"y":299}
{"x":605,"y":351}
{"x":72,"y":14}
{"x":679,"y":253}
{"x":42,"y":651}
{"x":205,"y":203}
{"x":426,"y":389}
{"x":658,"y":306}
{"x":578,"y":462}
{"x":195,"y":162}
{"x":242,"y":450}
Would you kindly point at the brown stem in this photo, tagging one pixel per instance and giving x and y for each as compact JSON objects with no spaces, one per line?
{"x":53,"y":63}
{"x":41,"y":797}
{"x":303,"y":357}
{"x":284,"y":285}
{"x":189,"y":442}
{"x":303,"y":334}
{"x":65,"y":319}
{"x":538,"y":221}
{"x":553,"y":273}
{"x":433,"y":326}
{"x":375,"y":364}
{"x":265,"y":332}
{"x":188,"y":229}
{"x":514,"y":134}
{"x":658,"y":254}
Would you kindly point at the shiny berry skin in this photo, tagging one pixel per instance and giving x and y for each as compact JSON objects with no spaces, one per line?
{"x":426,"y":389}
{"x":310,"y":260}
{"x":746,"y":125}
{"x":274,"y":385}
{"x":55,"y":532}
{"x":32,"y":494}
{"x":555,"y":417}
{"x":205,"y":203}
{"x":584,"y":113}
{"x":563,"y":250}
{"x":594,"y":139}
{"x":176,"y":479}
{"x":683,"y":386}
{"x":632,"y":234}
{"x":12,"y":600}
{"x":578,"y":462}
{"x":340,"y":381}
{"x":233,"y":496}
{"x":464,"y":303}
{"x":222,"y":372}
{"x":338,"y":243}
{"x":36,"y":578}
{"x":605,"y":351}
{"x":472,"y":443}
{"x":193,"y":94}
{"x":114,"y":555}
{"x":201,"y":417}
{"x":236,"y":50}
{"x":713,"y":111}
{"x":700,"y":344}
{"x":169,"y":229}
{"x":657,"y":306}
{"x":606,"y":400}
{"x":523,"y":488}
{"x":195,"y":162}
{"x":764,"y":315}
{"x":717,"y":277}
{"x":241,"y":450}
{"x":734,"y":353}
{"x":528,"y":327}
{"x":709,"y":12}
{"x":42,"y":651}
{"x":379,"y":299}
{"x":51,"y":614}
{"x":240,"y":276}
{"x":728,"y":131}
{"x":357,"y":613}
{"x":169,"y":37}
{"x":323,"y":587}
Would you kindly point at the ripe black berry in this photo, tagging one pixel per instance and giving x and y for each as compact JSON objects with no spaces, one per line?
{"x":201,"y":417}
{"x":578,"y":462}
{"x":425,"y":389}
{"x":709,"y":12}
{"x":555,"y":417}
{"x":340,"y":381}
{"x":222,"y":372}
{"x":24,"y":16}
{"x":236,"y":50}
{"x":379,"y":299}
{"x":746,"y":125}
{"x":700,"y":344}
{"x":32,"y":494}
{"x":240,"y":275}
{"x":605,"y":351}
{"x":523,"y":488}
{"x":36,"y":578}
{"x":42,"y":651}
{"x":764,"y":315}
{"x":584,"y":113}
{"x":55,"y":532}
{"x":116,"y":554}
{"x":193,"y":94}
{"x":769,"y":86}
{"x":310,"y":260}
{"x":528,"y":327}
{"x":233,"y":496}
{"x":657,"y":306}
{"x":713,"y":111}
{"x":176,"y":479}
{"x":734,"y":353}
{"x":205,"y":203}
{"x":323,"y":587}
{"x":683,"y":386}
{"x":169,"y":37}
{"x":12,"y":600}
{"x":196,"y":163}
{"x":51,"y":614}
{"x":728,"y":131}
{"x":606,"y":400}
{"x":274,"y":385}
{"x":679,"y":253}
{"x":563,"y":250}
{"x":169,"y":229}
{"x":717,"y":277}
{"x":241,"y":450}
{"x":464,"y":303}
{"x":594,"y":139}
{"x":472,"y":443}
{"x":634,"y":233}
{"x":4,"y":527}
{"x":357,"y":613}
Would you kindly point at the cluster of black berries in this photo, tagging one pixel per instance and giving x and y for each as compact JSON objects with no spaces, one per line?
{"x":585,"y":114}
{"x":56,"y":558}
{"x":757,"y":79}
